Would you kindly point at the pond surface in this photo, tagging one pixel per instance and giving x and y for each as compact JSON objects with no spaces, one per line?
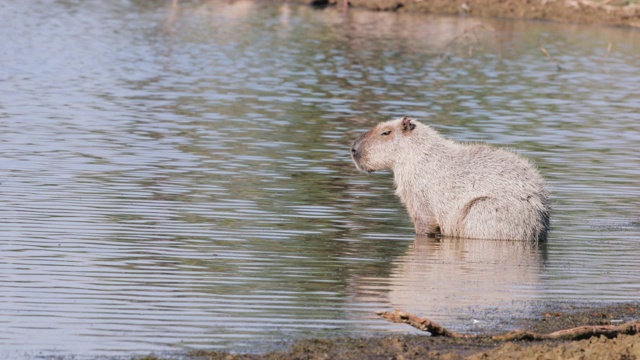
{"x":179,"y":177}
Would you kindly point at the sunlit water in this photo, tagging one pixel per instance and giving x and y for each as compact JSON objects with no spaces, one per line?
{"x":178,"y":178}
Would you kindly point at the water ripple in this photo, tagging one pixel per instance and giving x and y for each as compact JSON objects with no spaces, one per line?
{"x":185,"y":181}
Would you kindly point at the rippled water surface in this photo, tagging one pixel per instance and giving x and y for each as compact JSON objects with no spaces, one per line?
{"x":179,"y":177}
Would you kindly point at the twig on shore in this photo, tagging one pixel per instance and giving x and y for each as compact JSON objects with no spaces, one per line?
{"x":577,"y":333}
{"x":419,"y":323}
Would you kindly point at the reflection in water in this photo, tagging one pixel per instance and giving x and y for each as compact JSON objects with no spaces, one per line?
{"x":177,"y":175}
{"x":473,"y":272}
{"x":462,"y":278}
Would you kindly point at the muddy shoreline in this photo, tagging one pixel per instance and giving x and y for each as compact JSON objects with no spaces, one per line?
{"x":601,"y":12}
{"x":395,"y":346}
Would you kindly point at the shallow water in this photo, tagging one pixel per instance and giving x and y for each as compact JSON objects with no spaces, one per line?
{"x":178,"y":178}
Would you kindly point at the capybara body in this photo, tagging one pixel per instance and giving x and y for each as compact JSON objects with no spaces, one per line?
{"x":456,"y":189}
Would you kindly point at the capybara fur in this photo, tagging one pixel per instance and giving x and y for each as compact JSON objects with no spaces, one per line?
{"x":456,"y":189}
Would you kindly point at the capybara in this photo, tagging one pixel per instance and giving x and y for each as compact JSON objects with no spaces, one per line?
{"x":455,"y":189}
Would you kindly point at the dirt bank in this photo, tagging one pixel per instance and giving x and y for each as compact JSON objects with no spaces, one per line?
{"x":426,"y":347}
{"x":605,"y":12}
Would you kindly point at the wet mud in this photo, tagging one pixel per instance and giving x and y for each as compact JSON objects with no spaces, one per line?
{"x":550,"y":319}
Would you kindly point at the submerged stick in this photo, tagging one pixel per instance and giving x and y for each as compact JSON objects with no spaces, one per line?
{"x":577,"y":333}
{"x":544,"y":51}
{"x":471,"y":30}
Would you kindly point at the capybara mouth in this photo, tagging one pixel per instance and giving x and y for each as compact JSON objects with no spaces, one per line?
{"x":360,"y":167}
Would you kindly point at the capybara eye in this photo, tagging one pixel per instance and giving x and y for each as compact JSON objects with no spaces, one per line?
{"x":386,"y":133}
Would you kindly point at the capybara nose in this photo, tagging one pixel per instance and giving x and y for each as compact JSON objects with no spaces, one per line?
{"x":353,"y":151}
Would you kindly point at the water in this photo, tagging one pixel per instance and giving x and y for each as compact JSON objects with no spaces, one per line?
{"x":178,"y":178}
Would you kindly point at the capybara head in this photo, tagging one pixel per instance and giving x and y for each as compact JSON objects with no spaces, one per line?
{"x":378,"y":148}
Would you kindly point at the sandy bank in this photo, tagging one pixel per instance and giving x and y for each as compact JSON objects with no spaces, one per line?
{"x":602,"y":12}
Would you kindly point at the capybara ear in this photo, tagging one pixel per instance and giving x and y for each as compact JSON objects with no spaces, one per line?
{"x":407,"y":124}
